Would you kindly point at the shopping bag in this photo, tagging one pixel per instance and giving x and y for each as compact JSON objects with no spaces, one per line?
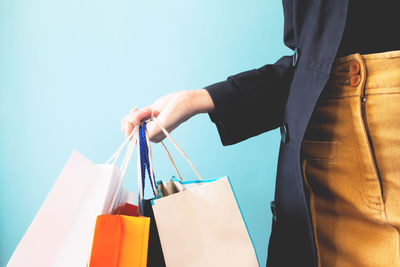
{"x":200,"y":224}
{"x":120,"y":240}
{"x":61,"y":233}
{"x":203,"y":226}
{"x":155,"y":256}
{"x":126,"y":209}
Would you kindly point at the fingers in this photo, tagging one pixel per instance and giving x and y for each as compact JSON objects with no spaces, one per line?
{"x":134,"y":118}
{"x":142,"y":115}
{"x":126,"y":117}
{"x":156,"y":113}
{"x":167,"y":120}
{"x":155,"y":133}
{"x":133,"y":109}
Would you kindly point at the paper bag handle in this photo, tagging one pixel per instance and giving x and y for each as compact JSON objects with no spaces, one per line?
{"x":133,"y":137}
{"x":113,"y":159}
{"x":172,"y":161}
{"x":177,"y":147}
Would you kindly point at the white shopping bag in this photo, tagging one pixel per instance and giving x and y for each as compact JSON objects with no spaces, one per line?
{"x":61,"y":233}
{"x":200,"y":223}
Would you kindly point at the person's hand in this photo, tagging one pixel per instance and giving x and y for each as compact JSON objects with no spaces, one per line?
{"x":171,"y":110}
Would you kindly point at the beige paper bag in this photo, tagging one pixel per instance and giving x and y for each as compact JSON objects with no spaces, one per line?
{"x":200,"y":224}
{"x":203,"y":226}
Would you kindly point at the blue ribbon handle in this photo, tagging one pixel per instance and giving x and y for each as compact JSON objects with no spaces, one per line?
{"x":144,"y":157}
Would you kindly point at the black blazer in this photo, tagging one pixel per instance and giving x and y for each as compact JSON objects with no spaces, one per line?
{"x":284,"y":95}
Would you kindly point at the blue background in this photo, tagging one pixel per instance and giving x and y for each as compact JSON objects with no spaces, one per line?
{"x":70,"y":70}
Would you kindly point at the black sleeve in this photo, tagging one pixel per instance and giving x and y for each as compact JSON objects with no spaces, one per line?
{"x":251,"y":102}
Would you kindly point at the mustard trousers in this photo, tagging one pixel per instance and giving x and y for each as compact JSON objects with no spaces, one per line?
{"x":350,"y":160}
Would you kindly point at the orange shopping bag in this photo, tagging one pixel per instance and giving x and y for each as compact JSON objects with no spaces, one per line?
{"x":120,"y":241}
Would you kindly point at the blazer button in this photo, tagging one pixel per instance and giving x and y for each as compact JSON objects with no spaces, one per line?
{"x":295,"y":57}
{"x":273,"y":210}
{"x":284,"y":133}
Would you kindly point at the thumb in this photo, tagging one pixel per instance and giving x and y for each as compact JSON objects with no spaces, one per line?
{"x":156,"y":135}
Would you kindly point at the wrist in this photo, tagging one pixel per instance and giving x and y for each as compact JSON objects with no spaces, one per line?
{"x":201,"y":101}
